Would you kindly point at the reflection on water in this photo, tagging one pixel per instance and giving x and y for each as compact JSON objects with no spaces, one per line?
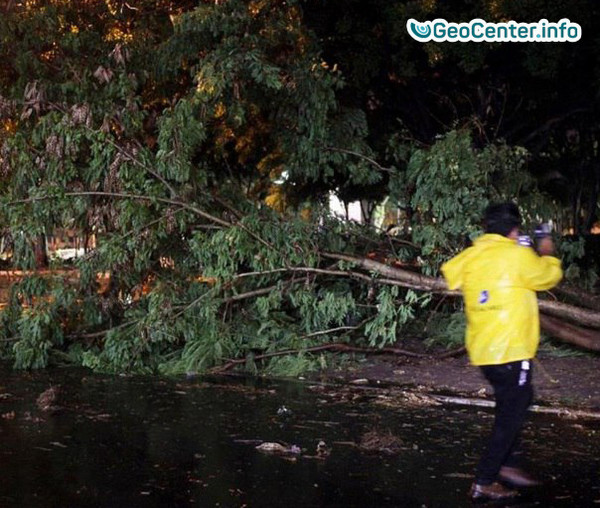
{"x":151,"y":442}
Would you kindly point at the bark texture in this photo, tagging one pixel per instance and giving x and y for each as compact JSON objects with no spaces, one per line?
{"x":568,"y":323}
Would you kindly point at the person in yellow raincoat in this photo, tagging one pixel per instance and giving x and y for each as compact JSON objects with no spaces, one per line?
{"x":498,"y":278}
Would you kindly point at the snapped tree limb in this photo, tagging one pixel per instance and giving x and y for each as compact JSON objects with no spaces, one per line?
{"x":550,"y":311}
{"x":582,"y":337}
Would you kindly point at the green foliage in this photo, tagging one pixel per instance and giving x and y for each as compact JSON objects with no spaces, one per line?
{"x":572,"y":252}
{"x":293,"y":366}
{"x":448,"y":186}
{"x":197,"y":144}
{"x":552,"y":349}
{"x":447,"y":330}
{"x":392,"y":315}
{"x":450,"y":192}
{"x":38,"y":331}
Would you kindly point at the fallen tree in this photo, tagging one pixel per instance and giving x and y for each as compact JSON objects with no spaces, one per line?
{"x":199,"y":148}
{"x":582,"y":337}
{"x":260,"y":299}
{"x":568,"y":323}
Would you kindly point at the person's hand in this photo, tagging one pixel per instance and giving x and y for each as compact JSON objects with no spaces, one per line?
{"x":546,"y":246}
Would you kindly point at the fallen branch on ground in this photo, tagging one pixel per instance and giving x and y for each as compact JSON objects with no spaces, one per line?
{"x":340,"y":348}
{"x":582,"y":337}
{"x":569,"y":413}
{"x":570,"y":333}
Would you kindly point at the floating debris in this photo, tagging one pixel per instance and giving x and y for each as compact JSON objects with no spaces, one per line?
{"x":278,"y":449}
{"x":284,"y":411}
{"x":373,"y":441}
{"x":47,"y":400}
{"x":322,"y":449}
{"x":395,"y":399}
{"x":459,"y":475}
{"x":27,"y":416}
{"x":98,"y":416}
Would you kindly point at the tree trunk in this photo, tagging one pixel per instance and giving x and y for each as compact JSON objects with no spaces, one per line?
{"x":582,"y":337}
{"x":39,"y":249}
{"x":583,"y":317}
{"x":580,"y":297}
{"x":572,"y":334}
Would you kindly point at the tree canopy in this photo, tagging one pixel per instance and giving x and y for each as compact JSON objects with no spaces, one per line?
{"x":198,"y":145}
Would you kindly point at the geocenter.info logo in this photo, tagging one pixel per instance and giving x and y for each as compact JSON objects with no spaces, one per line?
{"x":478,"y":30}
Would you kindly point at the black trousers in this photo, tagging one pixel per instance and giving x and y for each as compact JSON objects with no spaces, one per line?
{"x":513,"y":393}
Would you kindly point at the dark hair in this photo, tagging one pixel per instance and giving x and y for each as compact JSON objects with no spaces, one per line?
{"x":501,"y":218}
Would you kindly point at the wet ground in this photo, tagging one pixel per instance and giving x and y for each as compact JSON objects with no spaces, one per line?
{"x":569,"y":381}
{"x":151,"y":442}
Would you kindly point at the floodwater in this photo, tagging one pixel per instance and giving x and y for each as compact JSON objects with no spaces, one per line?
{"x":155,"y":442}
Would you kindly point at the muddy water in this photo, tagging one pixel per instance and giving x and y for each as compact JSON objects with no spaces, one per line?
{"x":148,"y":442}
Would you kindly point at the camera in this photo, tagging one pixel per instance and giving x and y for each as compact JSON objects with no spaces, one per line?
{"x":542,"y":231}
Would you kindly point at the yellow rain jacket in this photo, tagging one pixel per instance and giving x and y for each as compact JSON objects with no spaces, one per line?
{"x":498,"y":279}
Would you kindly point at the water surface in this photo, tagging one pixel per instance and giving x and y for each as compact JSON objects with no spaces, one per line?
{"x":156,"y":442}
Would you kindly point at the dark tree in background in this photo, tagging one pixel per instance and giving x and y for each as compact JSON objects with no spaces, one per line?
{"x":543,"y":97}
